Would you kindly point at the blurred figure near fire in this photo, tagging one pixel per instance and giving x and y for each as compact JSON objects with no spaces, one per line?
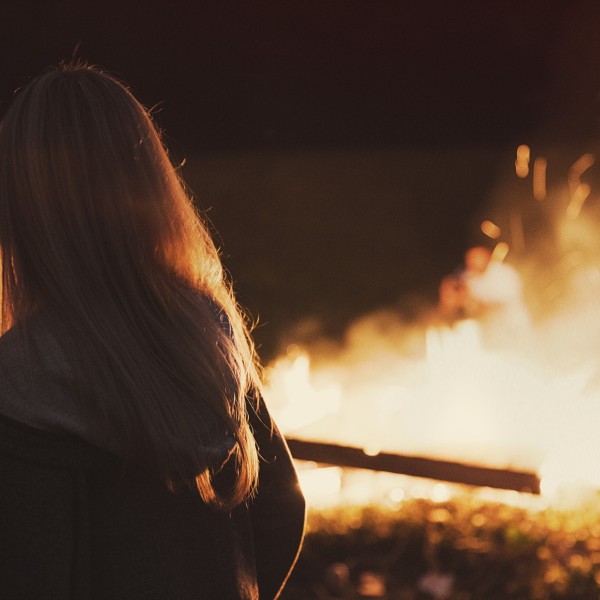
{"x":486,"y":289}
{"x":451,"y":302}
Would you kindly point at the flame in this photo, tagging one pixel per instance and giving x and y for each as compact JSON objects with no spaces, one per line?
{"x":496,"y":391}
{"x":460,"y":401}
{"x":303,"y":402}
{"x":321,"y":484}
{"x":484,"y":382}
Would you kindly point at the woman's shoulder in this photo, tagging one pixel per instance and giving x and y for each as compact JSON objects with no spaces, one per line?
{"x":37,"y":382}
{"x":22,"y":442}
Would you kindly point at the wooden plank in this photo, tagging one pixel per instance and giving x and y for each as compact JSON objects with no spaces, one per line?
{"x":416,"y":466}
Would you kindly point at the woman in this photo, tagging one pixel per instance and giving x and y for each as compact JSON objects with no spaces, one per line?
{"x":137,"y":458}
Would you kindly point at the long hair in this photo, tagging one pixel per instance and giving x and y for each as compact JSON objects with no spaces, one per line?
{"x":97,"y":229}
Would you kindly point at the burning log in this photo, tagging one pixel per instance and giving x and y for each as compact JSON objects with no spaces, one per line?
{"x":416,"y":466}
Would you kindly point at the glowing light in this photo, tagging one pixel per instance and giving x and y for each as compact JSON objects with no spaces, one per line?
{"x":500,"y":251}
{"x":292,"y":393}
{"x":523,"y":152}
{"x":539,"y":178}
{"x":396,"y":495}
{"x":581,"y":165}
{"x":491,"y":229}
{"x":580,"y":195}
{"x":549,"y":486}
{"x":522,"y":161}
{"x":440,"y":493}
{"x":371,"y":585}
{"x":372,"y":450}
{"x":522,"y":169}
{"x":321,"y":486}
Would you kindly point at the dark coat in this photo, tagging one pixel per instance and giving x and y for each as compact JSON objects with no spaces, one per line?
{"x":74,"y":526}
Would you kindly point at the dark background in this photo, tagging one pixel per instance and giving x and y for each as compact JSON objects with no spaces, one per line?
{"x":344,"y":150}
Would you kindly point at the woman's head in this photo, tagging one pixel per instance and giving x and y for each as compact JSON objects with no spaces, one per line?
{"x":96,"y":228}
{"x":86,"y":187}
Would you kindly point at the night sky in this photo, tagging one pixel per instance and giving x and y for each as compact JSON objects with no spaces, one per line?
{"x":342,"y":149}
{"x":233,"y":75}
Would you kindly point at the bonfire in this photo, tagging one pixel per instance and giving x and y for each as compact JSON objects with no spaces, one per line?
{"x":480,"y":381}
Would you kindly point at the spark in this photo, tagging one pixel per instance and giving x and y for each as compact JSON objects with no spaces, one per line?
{"x":522,"y":161}
{"x":499,"y":252}
{"x":539,"y":178}
{"x":580,"y":166}
{"x":491,"y":229}
{"x":523,"y":152}
{"x":580,"y":195}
